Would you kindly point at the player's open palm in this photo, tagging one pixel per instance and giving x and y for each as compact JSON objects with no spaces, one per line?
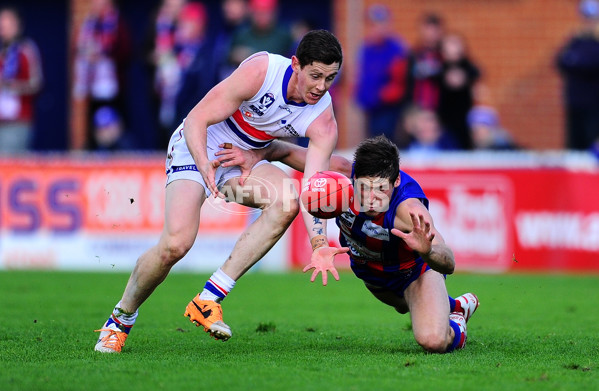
{"x":420,"y":239}
{"x":322,"y":262}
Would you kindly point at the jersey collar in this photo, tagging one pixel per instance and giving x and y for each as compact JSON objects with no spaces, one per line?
{"x":286,"y":78}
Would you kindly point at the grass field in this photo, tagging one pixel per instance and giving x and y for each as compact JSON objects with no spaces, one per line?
{"x":530,"y":333}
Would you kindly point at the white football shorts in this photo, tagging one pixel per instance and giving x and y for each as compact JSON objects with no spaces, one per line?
{"x":180,"y":164}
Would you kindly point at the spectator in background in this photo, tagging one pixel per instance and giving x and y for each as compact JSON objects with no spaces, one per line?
{"x":299,"y":28}
{"x":109,"y":133}
{"x":164,"y":28}
{"x":578,"y":62}
{"x":426,"y":132}
{"x":263,"y":34}
{"x":458,"y":77}
{"x":197,"y":68}
{"x":486,"y":131}
{"x":425,"y":65}
{"x":190,"y":71}
{"x":20,"y":81}
{"x":101,"y":60}
{"x":382,"y":64}
{"x":162,"y":59}
{"x":235,"y":17}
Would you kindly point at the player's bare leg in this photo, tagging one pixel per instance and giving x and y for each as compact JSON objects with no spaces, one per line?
{"x":269,"y":189}
{"x":389,"y":297}
{"x":429,"y":311}
{"x":183,"y":202}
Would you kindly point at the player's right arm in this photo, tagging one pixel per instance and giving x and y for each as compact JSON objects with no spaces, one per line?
{"x":414,"y":224}
{"x":218,"y":105}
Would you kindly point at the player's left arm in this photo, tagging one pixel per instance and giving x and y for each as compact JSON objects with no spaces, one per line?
{"x":323,"y":138}
{"x":414,"y":224}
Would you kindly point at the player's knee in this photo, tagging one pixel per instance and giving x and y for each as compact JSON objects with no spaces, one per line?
{"x":433,"y":342}
{"x":173,"y":250}
{"x":284,"y":210}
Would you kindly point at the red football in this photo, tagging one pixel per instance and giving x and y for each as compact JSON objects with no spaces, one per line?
{"x":327,"y":194}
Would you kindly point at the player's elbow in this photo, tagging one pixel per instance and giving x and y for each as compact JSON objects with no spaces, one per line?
{"x":447,"y":266}
{"x":442,"y":267}
{"x":441,"y":259}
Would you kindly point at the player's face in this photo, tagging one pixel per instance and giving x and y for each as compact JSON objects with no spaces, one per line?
{"x":314,"y":80}
{"x":374,"y":194}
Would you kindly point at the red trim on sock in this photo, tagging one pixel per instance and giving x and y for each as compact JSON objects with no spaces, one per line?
{"x":219,"y":287}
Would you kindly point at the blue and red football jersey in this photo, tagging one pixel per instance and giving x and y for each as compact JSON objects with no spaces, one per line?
{"x":370,"y":239}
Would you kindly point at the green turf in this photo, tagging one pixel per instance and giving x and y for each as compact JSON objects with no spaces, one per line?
{"x":530,"y":333}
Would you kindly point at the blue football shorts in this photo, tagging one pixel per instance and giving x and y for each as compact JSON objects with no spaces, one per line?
{"x":396,"y":281}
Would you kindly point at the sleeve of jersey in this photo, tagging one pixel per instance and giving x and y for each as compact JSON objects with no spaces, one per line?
{"x":411,"y":189}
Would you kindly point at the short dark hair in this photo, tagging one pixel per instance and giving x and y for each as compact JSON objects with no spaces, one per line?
{"x":377,"y":157}
{"x":319,"y":46}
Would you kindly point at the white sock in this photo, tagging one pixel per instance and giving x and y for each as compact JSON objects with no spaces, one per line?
{"x":126,"y":318}
{"x":217,"y":287}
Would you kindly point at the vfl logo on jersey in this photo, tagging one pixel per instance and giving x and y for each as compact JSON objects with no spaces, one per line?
{"x":265,"y":102}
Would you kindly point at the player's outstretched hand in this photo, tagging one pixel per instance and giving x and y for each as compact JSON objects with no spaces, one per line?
{"x":231,"y":155}
{"x":322,"y":262}
{"x":420,"y":239}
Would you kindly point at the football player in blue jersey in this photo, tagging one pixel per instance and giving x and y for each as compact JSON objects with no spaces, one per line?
{"x":394,"y":245}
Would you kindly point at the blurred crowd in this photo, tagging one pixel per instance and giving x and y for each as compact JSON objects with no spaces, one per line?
{"x":426,"y":96}
{"x":185,"y":54}
{"x":20,"y":81}
{"x":578,"y":62}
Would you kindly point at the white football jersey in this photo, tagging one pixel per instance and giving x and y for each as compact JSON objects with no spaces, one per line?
{"x":268,"y":114}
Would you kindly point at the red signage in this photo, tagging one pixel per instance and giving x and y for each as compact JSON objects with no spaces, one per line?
{"x":508,"y":219}
{"x":72,"y":213}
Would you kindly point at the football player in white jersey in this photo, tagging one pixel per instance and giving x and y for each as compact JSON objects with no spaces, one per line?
{"x":267,"y":97}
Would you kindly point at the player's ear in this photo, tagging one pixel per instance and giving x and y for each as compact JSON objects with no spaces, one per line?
{"x":295,"y":64}
{"x":397,"y":181}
